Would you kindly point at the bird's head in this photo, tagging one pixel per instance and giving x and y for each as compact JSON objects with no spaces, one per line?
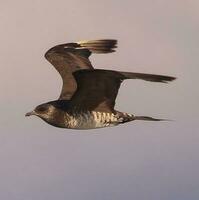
{"x":43,"y":111}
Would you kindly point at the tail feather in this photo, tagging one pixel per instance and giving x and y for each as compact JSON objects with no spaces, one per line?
{"x":99,"y":46}
{"x":125,"y":117}
{"x":148,"y":77}
{"x":146,"y":118}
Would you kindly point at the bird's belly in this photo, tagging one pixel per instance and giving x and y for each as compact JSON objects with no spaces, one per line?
{"x":92,"y":120}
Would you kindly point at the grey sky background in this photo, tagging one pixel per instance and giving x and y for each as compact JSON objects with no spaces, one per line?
{"x":138,"y":160}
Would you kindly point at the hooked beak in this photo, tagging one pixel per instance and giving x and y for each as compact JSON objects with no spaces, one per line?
{"x":30,"y":113}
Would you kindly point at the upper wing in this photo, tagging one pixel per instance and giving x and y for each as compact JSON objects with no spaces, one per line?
{"x":70,"y":57}
{"x":97,"y":89}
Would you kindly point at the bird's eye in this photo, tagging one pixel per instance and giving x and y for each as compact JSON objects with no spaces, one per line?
{"x":41,"y":109}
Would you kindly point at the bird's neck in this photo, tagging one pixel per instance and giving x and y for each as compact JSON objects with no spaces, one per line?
{"x":56,"y":118}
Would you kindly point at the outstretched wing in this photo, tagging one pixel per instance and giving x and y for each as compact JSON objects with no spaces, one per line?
{"x":71,"y":57}
{"x":97,"y":89}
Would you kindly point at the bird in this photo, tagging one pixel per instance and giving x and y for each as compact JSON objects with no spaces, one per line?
{"x":88,"y":95}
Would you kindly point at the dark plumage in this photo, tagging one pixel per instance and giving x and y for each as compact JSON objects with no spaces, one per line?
{"x":88,"y":95}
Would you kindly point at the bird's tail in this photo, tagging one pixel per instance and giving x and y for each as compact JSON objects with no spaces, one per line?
{"x":146,"y":118}
{"x":125,"y":117}
{"x":147,"y":77}
{"x":99,"y":46}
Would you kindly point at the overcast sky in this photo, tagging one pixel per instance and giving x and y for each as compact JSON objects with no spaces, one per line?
{"x":137,"y":160}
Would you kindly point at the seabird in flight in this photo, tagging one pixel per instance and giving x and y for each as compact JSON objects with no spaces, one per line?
{"x":88,"y":95}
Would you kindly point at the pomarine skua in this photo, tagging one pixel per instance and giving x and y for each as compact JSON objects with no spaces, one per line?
{"x":88,"y":95}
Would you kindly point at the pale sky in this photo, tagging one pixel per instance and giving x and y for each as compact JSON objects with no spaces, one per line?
{"x":137,"y":160}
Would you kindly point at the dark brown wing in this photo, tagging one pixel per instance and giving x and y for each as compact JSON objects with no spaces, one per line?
{"x":97,"y":89}
{"x":70,"y":57}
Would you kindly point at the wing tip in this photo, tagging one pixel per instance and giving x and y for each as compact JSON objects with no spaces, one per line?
{"x":148,"y":77}
{"x":167,"y":79}
{"x":99,"y":46}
